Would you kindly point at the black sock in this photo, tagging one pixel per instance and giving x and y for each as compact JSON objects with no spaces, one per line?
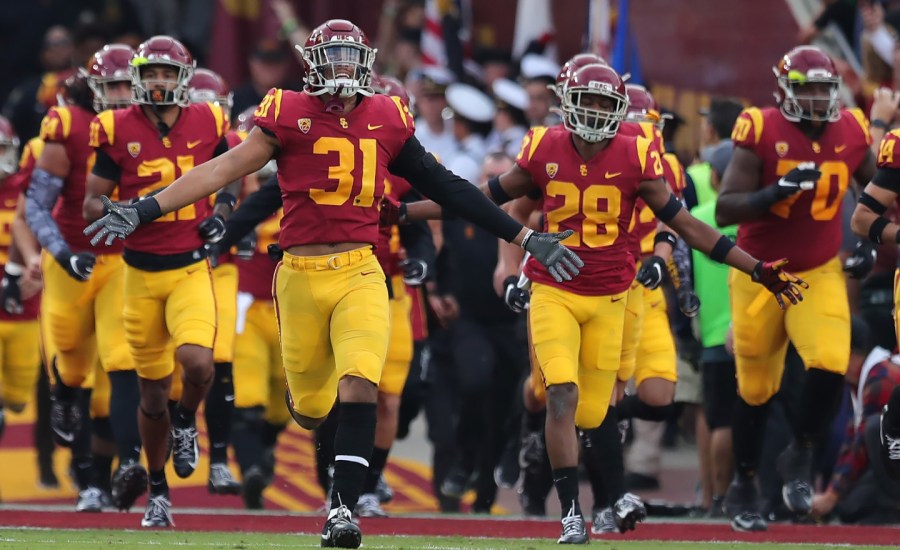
{"x":323,"y":436}
{"x":566,"y":481}
{"x":603,"y":458}
{"x":181,"y":417}
{"x":61,"y":391}
{"x":158,"y":483}
{"x":123,"y":405}
{"x":353,"y":445}
{"x":376,"y":466}
{"x":219,"y":408}
{"x":533,"y":421}
{"x":749,"y":428}
{"x":246,"y":436}
{"x":81,"y":446}
{"x":818,"y":400}
{"x":103,"y":471}
{"x":632,"y":407}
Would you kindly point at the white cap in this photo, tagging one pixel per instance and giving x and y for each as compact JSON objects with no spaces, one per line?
{"x":470,"y":103}
{"x":534,"y":66}
{"x":510,"y":93}
{"x":437,"y":78}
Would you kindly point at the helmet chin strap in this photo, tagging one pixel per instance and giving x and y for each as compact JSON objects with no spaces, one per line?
{"x":161,"y":126}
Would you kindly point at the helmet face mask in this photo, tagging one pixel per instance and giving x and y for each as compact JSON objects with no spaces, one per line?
{"x":594,"y":103}
{"x":811,"y":98}
{"x":339,"y":60}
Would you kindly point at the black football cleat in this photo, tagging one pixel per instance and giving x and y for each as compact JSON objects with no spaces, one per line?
{"x":340,"y":531}
{"x":794,"y":465}
{"x":128,"y":483}
{"x":742,"y":504}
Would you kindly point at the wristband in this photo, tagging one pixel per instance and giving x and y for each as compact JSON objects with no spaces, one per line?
{"x":666,"y":237}
{"x":226,"y":199}
{"x":148,"y":210}
{"x":879,"y":123}
{"x":877,"y":228}
{"x":721,"y":249}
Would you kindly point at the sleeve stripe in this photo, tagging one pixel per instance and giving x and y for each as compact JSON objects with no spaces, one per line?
{"x":107,"y":120}
{"x":757,"y":118}
{"x":537,"y":134}
{"x":643,"y":145}
{"x":399,"y":104}
{"x":34,"y":147}
{"x":673,"y":163}
{"x":863,"y":122}
{"x":65,"y":116}
{"x":219,"y":117}
{"x":278,"y":92}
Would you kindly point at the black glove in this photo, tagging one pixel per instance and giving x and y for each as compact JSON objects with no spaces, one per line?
{"x":561,"y":263}
{"x":515,"y":298}
{"x":121,"y":220}
{"x":212,"y":229}
{"x":79,"y":266}
{"x":414,"y":271}
{"x":688,"y":303}
{"x":861,"y":262}
{"x":246,"y":247}
{"x":11,"y":294}
{"x":801,"y":178}
{"x":652,"y":272}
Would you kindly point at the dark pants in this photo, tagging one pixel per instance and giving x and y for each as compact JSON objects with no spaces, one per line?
{"x":440,"y":412}
{"x":489,"y":359}
{"x":875,"y":497}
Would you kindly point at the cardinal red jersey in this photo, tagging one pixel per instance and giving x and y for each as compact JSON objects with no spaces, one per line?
{"x":27,"y":161}
{"x":9,"y":195}
{"x":332,"y":167}
{"x":69,"y":126}
{"x":594,"y":198}
{"x":417,"y":315}
{"x":389,"y":250}
{"x":255,"y":275}
{"x":149,"y":163}
{"x":804,"y":228}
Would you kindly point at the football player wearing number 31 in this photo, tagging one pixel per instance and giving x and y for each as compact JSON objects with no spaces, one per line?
{"x":784,"y":188}
{"x":168,"y":298}
{"x":590,"y":177}
{"x":335,"y":143}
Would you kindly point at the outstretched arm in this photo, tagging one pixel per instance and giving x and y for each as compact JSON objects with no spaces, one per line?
{"x":708,"y":240}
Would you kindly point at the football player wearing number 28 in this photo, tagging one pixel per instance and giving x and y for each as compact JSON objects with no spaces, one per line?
{"x":335,"y":143}
{"x":784,"y":188}
{"x":169,"y":300}
{"x":590,"y":177}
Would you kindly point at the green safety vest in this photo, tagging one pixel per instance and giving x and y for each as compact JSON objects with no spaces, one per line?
{"x":711,"y":281}
{"x":701,"y":175}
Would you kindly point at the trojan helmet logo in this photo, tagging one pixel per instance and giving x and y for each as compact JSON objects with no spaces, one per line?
{"x":304,"y":124}
{"x":552,"y":168}
{"x":134,"y":149}
{"x":781,"y":148}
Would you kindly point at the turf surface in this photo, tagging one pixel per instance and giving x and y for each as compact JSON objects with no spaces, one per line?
{"x":65,"y":539}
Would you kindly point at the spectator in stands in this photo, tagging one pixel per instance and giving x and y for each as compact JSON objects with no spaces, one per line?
{"x":270,"y":67}
{"x":28,"y":103}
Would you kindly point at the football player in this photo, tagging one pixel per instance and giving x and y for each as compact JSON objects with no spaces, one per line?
{"x":19,"y":331}
{"x":81,"y":308}
{"x":869,"y":221}
{"x":590,"y":179}
{"x":784,"y":186}
{"x":207,"y":86}
{"x":168,"y":295}
{"x":336,"y":142}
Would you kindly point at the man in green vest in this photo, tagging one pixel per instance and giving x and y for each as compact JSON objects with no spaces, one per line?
{"x":714,"y":320}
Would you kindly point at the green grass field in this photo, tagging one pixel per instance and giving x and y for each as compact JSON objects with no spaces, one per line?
{"x":65,"y":539}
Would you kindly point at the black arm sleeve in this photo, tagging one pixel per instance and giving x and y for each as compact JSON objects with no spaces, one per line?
{"x":261,"y":204}
{"x":888,"y":178}
{"x":221,"y":147}
{"x":106,"y":167}
{"x":455,"y":194}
